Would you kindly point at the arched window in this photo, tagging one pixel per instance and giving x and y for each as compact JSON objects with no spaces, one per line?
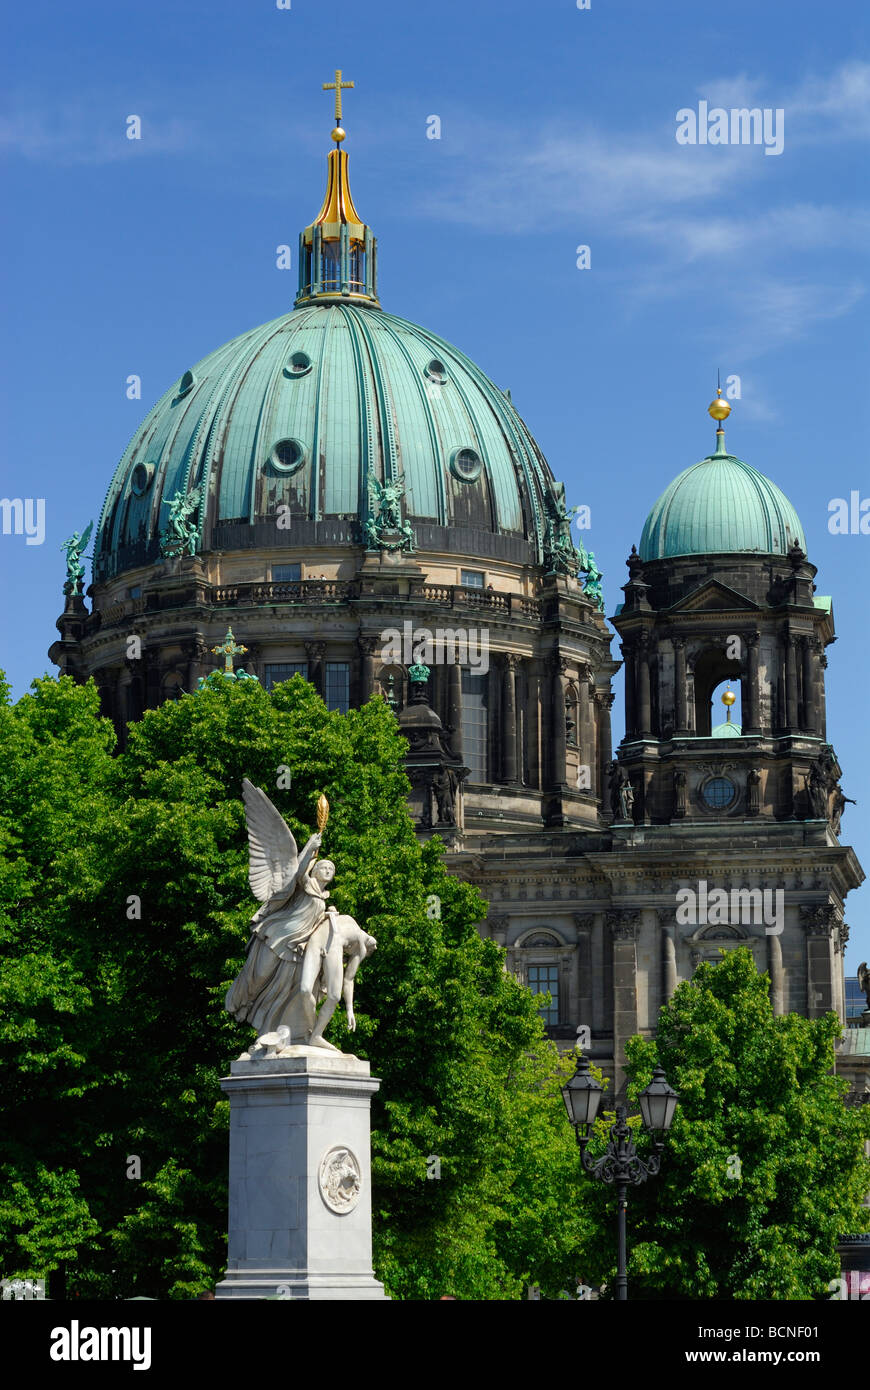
{"x":713,"y":669}
{"x":542,"y":972}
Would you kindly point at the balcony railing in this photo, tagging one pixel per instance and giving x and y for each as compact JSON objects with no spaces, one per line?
{"x":458,"y":596}
{"x":315,"y":592}
{"x":298,"y":591}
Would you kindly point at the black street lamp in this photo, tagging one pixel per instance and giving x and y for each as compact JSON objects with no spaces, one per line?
{"x":620,"y":1164}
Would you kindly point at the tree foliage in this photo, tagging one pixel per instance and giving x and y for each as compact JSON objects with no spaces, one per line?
{"x":124,"y":910}
{"x":764,"y":1167}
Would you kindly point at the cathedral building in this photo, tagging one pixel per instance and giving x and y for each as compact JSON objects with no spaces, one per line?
{"x":361,"y":505}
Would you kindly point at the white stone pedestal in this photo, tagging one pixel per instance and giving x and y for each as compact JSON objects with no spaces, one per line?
{"x":300,"y":1221}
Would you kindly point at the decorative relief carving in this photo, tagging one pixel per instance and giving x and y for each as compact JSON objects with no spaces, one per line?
{"x":819,"y":921}
{"x":340,"y":1180}
{"x":623,"y":925}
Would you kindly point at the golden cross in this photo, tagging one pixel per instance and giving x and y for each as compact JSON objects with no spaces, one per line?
{"x":336,"y":86}
{"x":228,"y":649}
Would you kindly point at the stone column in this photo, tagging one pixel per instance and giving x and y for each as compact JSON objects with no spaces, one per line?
{"x":586,"y":730}
{"x":153,"y":679}
{"x":777,"y":974}
{"x":300,"y":1220}
{"x":623,"y":931}
{"x":822,"y":702}
{"x":604,"y":703}
{"x":751,"y":715}
{"x":792,"y":721}
{"x":509,"y":717}
{"x":196,"y":653}
{"x":534,"y":702}
{"x":680,"y":692}
{"x":781,"y":702}
{"x":454,"y":707}
{"x":584,"y":924}
{"x":316,"y":651}
{"x":691,"y":720}
{"x":367,"y":646}
{"x":819,"y":924}
{"x":806,"y":699}
{"x":669,"y":952}
{"x":558,"y":732}
{"x":628,"y":654}
{"x":643,"y":693}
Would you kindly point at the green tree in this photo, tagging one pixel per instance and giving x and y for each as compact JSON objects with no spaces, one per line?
{"x":126,"y":910}
{"x":764,"y":1166}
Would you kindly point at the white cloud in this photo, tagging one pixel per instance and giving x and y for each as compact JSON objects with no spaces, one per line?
{"x":73,"y":134}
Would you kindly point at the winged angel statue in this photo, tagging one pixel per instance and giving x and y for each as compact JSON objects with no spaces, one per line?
{"x":298,"y":944}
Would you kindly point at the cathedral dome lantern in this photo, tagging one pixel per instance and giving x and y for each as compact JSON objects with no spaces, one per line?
{"x":337,"y":251}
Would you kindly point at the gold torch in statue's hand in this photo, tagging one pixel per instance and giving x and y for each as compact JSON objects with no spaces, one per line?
{"x":322,"y":818}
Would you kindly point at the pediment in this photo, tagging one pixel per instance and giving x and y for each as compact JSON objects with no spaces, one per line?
{"x":713,"y":596}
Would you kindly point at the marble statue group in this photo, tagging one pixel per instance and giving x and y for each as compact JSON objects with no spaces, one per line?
{"x":302,"y":952}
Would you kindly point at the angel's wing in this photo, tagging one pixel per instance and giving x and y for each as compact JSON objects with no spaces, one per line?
{"x":87,"y":536}
{"x":273,"y":856}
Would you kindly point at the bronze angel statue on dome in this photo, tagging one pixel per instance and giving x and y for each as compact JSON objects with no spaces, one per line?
{"x":296,"y":953}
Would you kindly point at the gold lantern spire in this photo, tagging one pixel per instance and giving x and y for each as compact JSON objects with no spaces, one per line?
{"x":337,"y":251}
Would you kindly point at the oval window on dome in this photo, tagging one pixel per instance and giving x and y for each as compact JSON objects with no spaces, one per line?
{"x":140,"y":480}
{"x":436,"y":371}
{"x":465,"y":464}
{"x":287,"y":456}
{"x":186,"y":384}
{"x":299,"y":364}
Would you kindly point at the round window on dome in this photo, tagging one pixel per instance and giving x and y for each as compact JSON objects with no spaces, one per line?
{"x":298,"y":365}
{"x":465,"y":464}
{"x":186,"y":384}
{"x":140,"y":480}
{"x":287,"y":456}
{"x":718,"y":793}
{"x":436,"y":371}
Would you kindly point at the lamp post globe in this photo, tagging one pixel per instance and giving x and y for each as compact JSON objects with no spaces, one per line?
{"x":658,"y":1101}
{"x":582,"y":1097}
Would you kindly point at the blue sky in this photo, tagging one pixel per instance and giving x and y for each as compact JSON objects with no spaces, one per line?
{"x":557,"y":129}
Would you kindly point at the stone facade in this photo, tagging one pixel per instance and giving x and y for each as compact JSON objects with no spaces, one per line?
{"x":583,"y":898}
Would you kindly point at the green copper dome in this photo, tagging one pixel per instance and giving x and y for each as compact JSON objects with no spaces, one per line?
{"x":300,"y":411}
{"x":719,"y":506}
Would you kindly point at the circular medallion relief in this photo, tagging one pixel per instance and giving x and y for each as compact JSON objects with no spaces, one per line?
{"x":340,"y":1180}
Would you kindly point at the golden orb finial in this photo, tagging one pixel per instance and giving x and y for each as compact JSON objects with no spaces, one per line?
{"x":719,"y":409}
{"x":338,"y":135}
{"x":729,"y":698}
